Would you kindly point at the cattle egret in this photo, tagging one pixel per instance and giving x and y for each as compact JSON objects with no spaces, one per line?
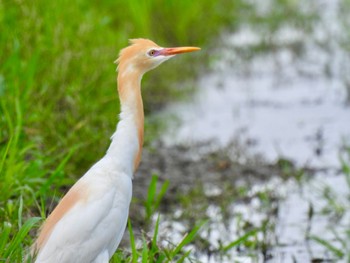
{"x":88,"y":223}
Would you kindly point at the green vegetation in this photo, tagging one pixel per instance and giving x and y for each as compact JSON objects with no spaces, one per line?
{"x":151,"y":251}
{"x":153,"y":198}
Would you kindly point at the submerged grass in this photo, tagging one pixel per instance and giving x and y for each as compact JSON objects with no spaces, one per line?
{"x":339,"y":244}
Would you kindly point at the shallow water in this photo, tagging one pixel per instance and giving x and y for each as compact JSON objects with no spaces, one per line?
{"x":284,"y":104}
{"x":294,"y":225}
{"x":281,"y":103}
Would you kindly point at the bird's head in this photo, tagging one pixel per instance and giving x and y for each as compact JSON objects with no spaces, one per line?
{"x":143,"y":55}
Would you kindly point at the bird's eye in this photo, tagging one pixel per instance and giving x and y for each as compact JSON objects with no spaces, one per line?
{"x":152,"y":52}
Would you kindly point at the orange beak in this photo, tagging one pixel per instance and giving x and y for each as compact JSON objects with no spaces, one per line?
{"x":177,"y":50}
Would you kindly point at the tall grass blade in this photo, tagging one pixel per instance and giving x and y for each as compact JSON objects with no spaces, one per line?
{"x":161,"y":194}
{"x":240,"y":240}
{"x":9,"y":142}
{"x":132,"y":243}
{"x":150,"y":195}
{"x":155,"y":234}
{"x":346,"y":169}
{"x":20,"y":210}
{"x":20,"y":236}
{"x":153,"y":199}
{"x":5,"y":235}
{"x":342,"y":241}
{"x":188,"y":238}
{"x":329,"y":246}
{"x":185,"y":256}
{"x":145,"y":253}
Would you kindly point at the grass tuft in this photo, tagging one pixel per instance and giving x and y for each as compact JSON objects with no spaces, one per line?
{"x":153,"y":198}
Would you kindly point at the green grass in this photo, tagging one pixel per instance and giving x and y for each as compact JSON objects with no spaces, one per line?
{"x":154,"y":198}
{"x":150,"y":251}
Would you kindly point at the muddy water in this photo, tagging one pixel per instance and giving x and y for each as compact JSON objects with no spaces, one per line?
{"x":288,"y":102}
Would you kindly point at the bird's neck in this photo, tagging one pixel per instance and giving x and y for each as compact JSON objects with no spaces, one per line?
{"x":126,"y":145}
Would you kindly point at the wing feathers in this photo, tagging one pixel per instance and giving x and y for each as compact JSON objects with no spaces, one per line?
{"x":74,"y":196}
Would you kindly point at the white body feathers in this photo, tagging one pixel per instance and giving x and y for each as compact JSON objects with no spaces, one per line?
{"x":96,"y":223}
